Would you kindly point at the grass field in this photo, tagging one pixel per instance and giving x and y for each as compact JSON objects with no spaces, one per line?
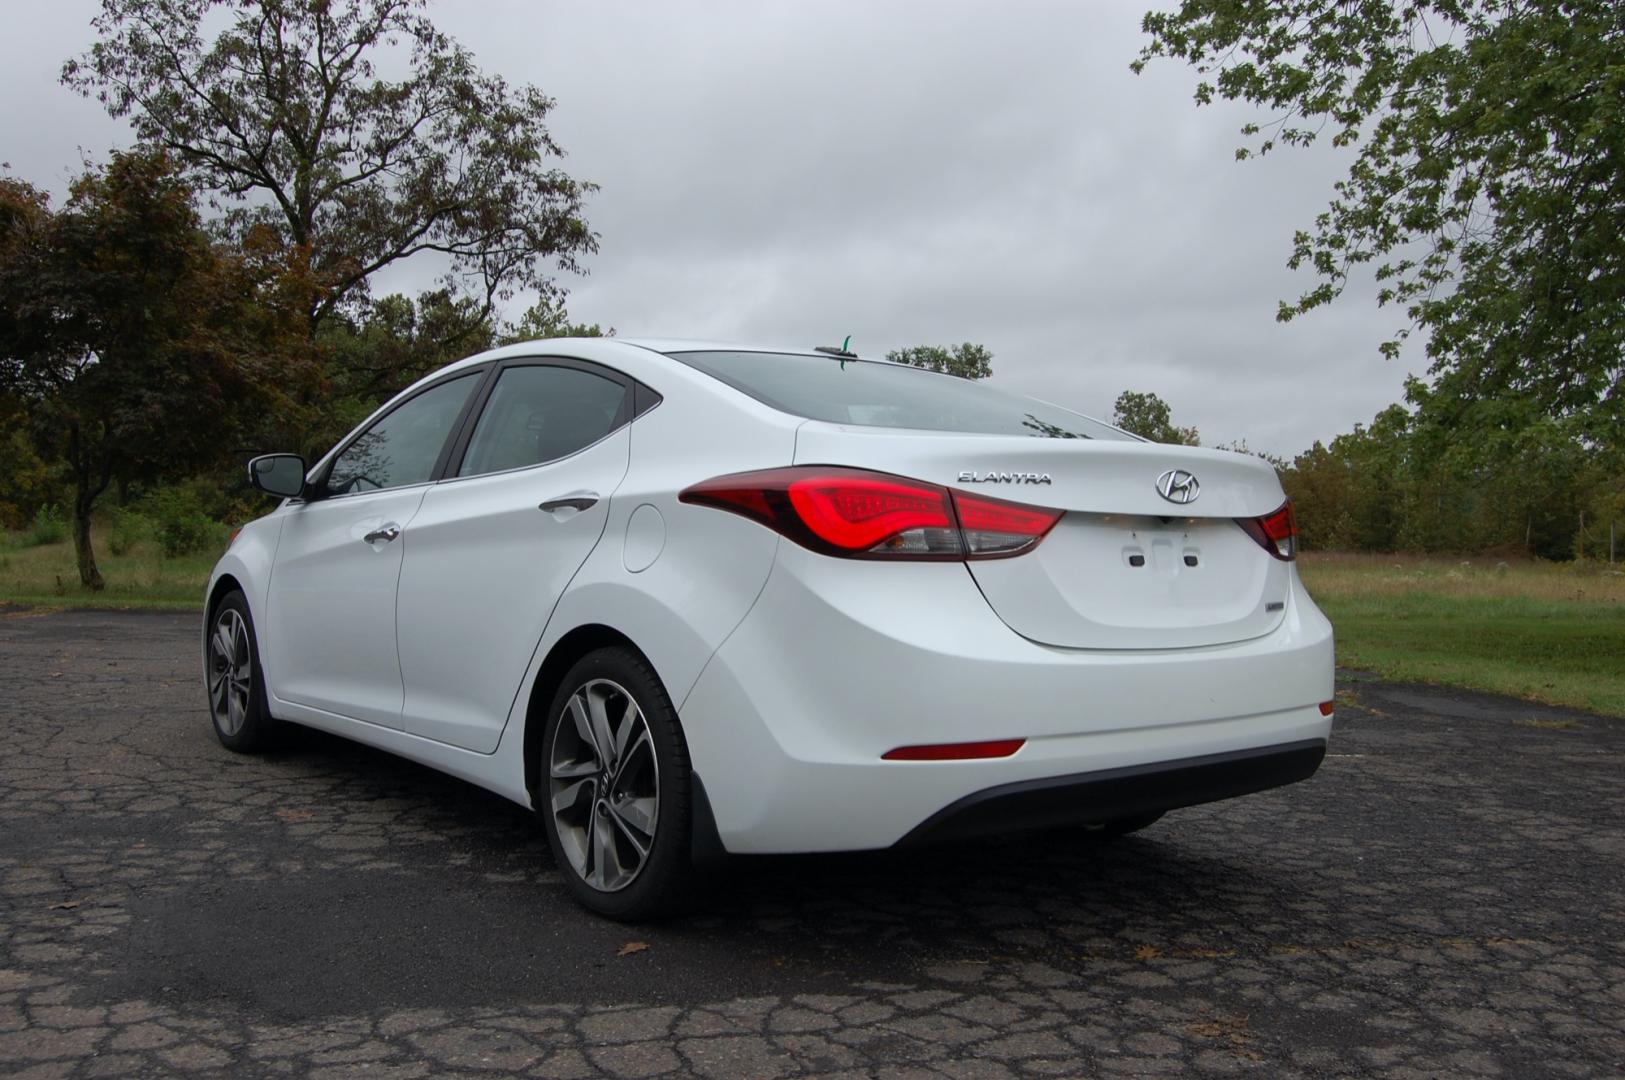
{"x":45,"y":576}
{"x":1546,"y":631}
{"x":1549,"y":632}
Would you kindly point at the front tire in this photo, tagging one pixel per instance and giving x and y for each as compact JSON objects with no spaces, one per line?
{"x":234,"y":680}
{"x":615,"y":791}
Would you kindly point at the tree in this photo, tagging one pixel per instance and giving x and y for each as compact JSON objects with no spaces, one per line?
{"x":967,"y":361}
{"x":1149,"y":417}
{"x":547,"y":319}
{"x":284,"y":118}
{"x":1487,"y":192}
{"x":136,"y":343}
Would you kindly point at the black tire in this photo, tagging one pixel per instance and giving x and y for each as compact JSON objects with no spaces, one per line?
{"x":594,"y":805}
{"x":241,"y":720}
{"x":1120,"y":827}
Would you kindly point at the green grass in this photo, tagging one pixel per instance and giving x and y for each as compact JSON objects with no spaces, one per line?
{"x":46,"y":576}
{"x":1546,"y":632}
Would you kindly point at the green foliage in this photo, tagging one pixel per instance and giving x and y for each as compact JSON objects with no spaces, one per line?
{"x":181,"y":523}
{"x":547,"y":319}
{"x":48,"y":526}
{"x":26,"y":481}
{"x":278,"y":109}
{"x":127,"y":529}
{"x":1148,"y":416}
{"x":967,"y":361}
{"x":136,"y":343}
{"x":1487,"y":191}
{"x":1400,"y":485}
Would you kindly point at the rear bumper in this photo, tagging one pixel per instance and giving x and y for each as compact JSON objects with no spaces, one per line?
{"x":840,"y":661}
{"x":1091,"y":798}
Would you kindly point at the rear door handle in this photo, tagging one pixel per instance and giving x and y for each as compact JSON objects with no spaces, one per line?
{"x":386,"y":534}
{"x":581,"y":500}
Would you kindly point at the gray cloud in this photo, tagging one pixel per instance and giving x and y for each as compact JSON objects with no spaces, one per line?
{"x":905,"y":173}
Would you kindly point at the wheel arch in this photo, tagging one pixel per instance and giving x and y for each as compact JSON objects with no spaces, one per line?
{"x":224,"y":584}
{"x":707,"y":845}
{"x":565,"y":652}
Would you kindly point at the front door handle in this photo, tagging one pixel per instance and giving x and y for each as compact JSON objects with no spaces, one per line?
{"x":386,"y":534}
{"x":581,"y":500}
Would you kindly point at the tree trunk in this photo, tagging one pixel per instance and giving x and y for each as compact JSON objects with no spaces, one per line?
{"x":88,"y":483}
{"x":89,"y":576}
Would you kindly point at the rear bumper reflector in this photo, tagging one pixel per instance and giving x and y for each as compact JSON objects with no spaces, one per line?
{"x":1326,"y":707}
{"x":965,"y":751}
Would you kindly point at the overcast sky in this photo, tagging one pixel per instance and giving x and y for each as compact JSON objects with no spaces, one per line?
{"x":906,"y":173}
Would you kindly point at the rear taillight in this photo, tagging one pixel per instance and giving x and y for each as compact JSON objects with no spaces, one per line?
{"x":1276,"y":533}
{"x":860,"y":514}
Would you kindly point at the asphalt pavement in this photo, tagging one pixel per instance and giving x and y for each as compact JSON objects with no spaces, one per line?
{"x":1445,"y":898}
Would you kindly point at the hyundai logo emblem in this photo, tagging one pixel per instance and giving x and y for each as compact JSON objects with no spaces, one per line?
{"x":1178,"y":486}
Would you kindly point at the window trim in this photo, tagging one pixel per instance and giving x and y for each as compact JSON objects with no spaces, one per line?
{"x":632,"y":406}
{"x":482,"y":372}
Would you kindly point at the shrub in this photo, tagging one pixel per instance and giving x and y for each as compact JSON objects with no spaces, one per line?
{"x":48,"y":527}
{"x":179,"y":522}
{"x":129,"y":528}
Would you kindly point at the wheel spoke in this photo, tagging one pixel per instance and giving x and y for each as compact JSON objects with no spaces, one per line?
{"x":570,"y":797}
{"x":578,"y":713}
{"x":606,"y":863}
{"x":631,"y":721}
{"x":222,"y":643}
{"x":636,"y":816}
{"x":573,"y":770}
{"x":602,"y":737}
{"x":643,"y":744}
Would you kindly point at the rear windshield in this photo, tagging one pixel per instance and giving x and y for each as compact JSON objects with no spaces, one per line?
{"x":882,"y":394}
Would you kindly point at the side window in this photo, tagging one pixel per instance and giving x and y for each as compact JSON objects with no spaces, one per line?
{"x":538,"y":413}
{"x":402,"y":447}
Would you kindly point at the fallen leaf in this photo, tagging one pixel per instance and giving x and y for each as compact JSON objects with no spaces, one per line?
{"x":631,"y":947}
{"x":294,"y":815}
{"x":1147,"y":952}
{"x":63,"y":905}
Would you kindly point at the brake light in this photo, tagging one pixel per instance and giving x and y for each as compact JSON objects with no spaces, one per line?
{"x":1276,"y":533}
{"x":856,"y":512}
{"x":995,"y":527}
{"x":861,"y":514}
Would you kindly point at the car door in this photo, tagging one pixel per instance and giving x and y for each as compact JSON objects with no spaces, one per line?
{"x":497,"y":541}
{"x":329,"y":636}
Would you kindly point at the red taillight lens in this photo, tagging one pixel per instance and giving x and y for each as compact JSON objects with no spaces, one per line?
{"x":1277,"y":533}
{"x":859,"y":512}
{"x":870,"y":515}
{"x":995,"y":527}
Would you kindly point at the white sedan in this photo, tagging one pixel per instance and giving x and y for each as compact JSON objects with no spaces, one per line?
{"x":687,"y":600}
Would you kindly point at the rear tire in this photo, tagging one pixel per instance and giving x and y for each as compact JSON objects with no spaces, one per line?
{"x":234,"y":680}
{"x":615,"y":792}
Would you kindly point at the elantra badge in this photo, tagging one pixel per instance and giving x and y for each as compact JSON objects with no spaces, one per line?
{"x":1178,"y":486}
{"x":968,"y":476}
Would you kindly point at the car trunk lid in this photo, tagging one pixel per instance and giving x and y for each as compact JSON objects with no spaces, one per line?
{"x":1125,"y":567}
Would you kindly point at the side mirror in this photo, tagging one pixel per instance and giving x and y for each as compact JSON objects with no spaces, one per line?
{"x":282,"y":475}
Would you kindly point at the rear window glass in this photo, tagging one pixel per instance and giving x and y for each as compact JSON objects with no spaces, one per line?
{"x":872,"y":393}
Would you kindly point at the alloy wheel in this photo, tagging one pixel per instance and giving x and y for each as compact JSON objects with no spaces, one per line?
{"x":604,"y":785}
{"x":231,"y":672}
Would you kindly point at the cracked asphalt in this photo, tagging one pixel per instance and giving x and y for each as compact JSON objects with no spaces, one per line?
{"x":1445,"y":898}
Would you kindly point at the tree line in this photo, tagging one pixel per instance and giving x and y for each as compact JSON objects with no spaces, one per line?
{"x":208,"y":292}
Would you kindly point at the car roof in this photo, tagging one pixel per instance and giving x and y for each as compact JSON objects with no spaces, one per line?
{"x":673,"y":345}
